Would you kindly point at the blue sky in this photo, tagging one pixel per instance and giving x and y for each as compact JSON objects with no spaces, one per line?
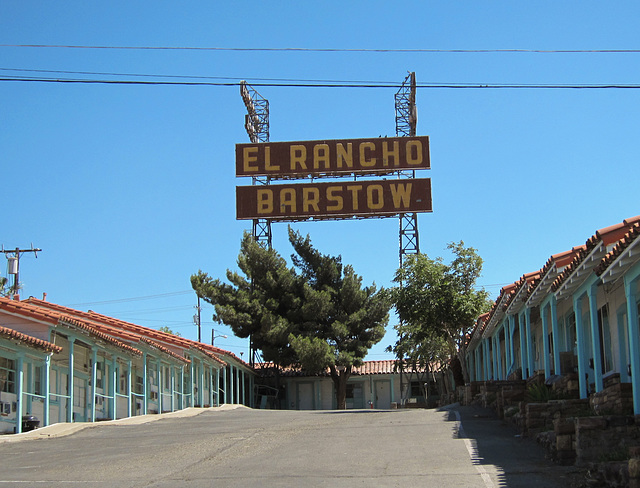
{"x":129,"y":189}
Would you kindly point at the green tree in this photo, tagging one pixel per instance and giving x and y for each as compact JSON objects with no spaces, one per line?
{"x":166,"y":329}
{"x":316,"y":314}
{"x":437,"y":304}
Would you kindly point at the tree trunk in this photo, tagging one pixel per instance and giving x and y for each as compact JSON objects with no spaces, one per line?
{"x":340,"y":384}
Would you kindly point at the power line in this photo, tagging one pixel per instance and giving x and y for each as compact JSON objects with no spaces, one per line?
{"x":334,"y":85}
{"x":328,"y":50}
{"x":133,"y":299}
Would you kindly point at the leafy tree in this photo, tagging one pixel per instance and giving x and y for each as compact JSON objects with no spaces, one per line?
{"x":166,"y":329}
{"x":437,"y":304}
{"x":315,"y":314}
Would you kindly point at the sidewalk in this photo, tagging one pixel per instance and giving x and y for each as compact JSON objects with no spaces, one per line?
{"x":521,"y":461}
{"x":64,"y":428}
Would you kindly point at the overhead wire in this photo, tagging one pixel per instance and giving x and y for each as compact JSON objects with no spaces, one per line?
{"x":327,"y":50}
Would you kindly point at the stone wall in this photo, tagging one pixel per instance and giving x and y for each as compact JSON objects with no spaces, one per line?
{"x":615,"y":399}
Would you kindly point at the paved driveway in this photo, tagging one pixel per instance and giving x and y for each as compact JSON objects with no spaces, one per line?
{"x":243,"y":447}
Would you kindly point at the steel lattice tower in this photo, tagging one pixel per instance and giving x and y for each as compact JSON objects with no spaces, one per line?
{"x":256,"y":123}
{"x":406,"y":121}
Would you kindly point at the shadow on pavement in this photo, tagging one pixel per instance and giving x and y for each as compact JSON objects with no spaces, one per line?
{"x":497,"y":449}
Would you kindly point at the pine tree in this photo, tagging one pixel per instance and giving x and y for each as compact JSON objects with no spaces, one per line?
{"x":316,"y":314}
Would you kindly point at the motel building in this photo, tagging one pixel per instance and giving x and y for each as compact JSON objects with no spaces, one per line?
{"x":577,"y":316}
{"x":58,"y":364}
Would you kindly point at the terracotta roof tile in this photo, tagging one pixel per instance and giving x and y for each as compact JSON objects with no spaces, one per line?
{"x":368,"y":368}
{"x":618,"y":249}
{"x":27,"y":339}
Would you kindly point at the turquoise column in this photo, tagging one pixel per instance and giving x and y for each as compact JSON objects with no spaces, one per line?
{"x":145,"y":384}
{"x":182,"y":388}
{"x":191,"y":380}
{"x":238,"y":373}
{"x":523,"y":345}
{"x":19,"y":391}
{"x":231,"y":385}
{"x":94,"y":378}
{"x":47,"y":389}
{"x":210,"y":386}
{"x":217,"y":387}
{"x":630,"y":287}
{"x":129,"y":399}
{"x":545,"y":342}
{"x":622,"y":345}
{"x":159,"y":376}
{"x":499,"y":356}
{"x":507,"y":348}
{"x":70,"y":380}
{"x":114,"y":387}
{"x":555,"y":334}
{"x":173,"y":389}
{"x":527,"y":325}
{"x":243,"y":390}
{"x":201,"y":383}
{"x":30,"y":386}
{"x":595,"y":335}
{"x":224,"y":384}
{"x":577,"y":310}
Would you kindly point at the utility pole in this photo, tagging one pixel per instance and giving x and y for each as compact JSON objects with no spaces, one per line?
{"x":13,"y":258}
{"x":196,"y":320}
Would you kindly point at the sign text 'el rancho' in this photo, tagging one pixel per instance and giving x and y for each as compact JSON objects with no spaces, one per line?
{"x":358,"y":156}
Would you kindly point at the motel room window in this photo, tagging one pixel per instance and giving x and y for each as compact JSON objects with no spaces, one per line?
{"x":167,"y":378}
{"x":37,"y":380}
{"x":7,"y":375}
{"x":416,"y":389}
{"x":139,"y":385}
{"x":606,"y":356}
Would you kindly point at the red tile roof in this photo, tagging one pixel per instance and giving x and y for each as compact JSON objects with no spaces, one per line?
{"x":368,"y":368}
{"x":618,"y":249}
{"x":134,"y":332}
{"x":606,"y":236}
{"x":27,"y":339}
{"x":55,"y":318}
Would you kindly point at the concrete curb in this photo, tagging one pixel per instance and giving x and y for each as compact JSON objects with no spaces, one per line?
{"x":64,"y":429}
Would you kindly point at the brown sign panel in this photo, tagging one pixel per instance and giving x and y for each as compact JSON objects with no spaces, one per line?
{"x":338,"y":199}
{"x":360,"y":156}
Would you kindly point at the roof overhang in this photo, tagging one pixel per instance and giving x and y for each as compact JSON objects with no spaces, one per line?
{"x":581,"y":272}
{"x":626,"y":259}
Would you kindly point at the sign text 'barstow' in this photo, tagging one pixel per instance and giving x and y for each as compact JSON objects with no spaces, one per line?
{"x":333,"y":200}
{"x":375,"y":155}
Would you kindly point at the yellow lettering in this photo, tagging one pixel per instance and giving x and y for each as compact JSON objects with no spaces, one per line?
{"x":387,"y":154}
{"x":364,"y":162}
{"x":310,"y":199}
{"x":339,"y":203}
{"x":265,"y":201}
{"x":249,"y":156}
{"x":379,"y":200}
{"x":267,"y":160}
{"x":354,"y":189}
{"x":344,"y":155}
{"x":288,"y":199}
{"x":417,"y":160}
{"x":321,"y":156}
{"x":298,"y":155}
{"x":401,"y":194}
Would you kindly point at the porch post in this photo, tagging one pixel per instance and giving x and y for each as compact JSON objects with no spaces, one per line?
{"x":70,"y":381}
{"x":173,"y":388}
{"x":114,"y":386}
{"x":545,"y":341}
{"x":595,"y":336}
{"x":159,"y":369}
{"x":145,"y":384}
{"x":527,"y":327}
{"x":523,"y":346}
{"x":129,"y":365}
{"x":555,"y":333}
{"x":217,"y":387}
{"x":94,"y":379}
{"x":584,"y":382}
{"x":47,"y":388}
{"x":634,"y":340}
{"x":19,"y":391}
